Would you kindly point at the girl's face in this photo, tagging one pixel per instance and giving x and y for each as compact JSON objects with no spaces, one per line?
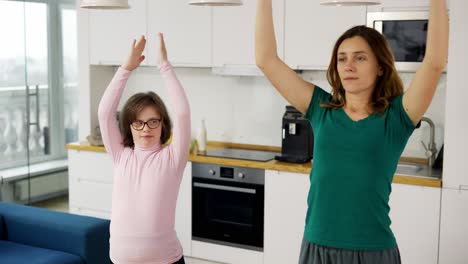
{"x":147,"y":134}
{"x":357,"y":66}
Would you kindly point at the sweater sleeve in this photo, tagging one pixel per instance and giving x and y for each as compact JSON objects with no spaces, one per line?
{"x":107,"y":114}
{"x":181,"y":116}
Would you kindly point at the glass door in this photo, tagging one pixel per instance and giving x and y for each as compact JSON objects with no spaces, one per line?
{"x":69,"y":65}
{"x":24,"y":100}
{"x":34,"y":76}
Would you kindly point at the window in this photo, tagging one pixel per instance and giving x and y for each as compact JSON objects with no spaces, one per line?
{"x":38,"y":77}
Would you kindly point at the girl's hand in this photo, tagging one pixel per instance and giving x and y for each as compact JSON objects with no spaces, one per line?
{"x":162,"y":50}
{"x":135,"y":58}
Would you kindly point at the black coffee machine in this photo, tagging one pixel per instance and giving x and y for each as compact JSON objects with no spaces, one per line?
{"x":298,"y":139}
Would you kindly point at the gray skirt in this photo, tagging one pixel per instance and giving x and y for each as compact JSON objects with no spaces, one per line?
{"x":315,"y":254}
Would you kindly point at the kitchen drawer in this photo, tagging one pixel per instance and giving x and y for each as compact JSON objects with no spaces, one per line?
{"x":91,"y":195}
{"x":90,"y":166}
{"x":90,"y":212}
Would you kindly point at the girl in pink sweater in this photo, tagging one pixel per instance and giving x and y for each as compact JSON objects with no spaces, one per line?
{"x":147,"y":173}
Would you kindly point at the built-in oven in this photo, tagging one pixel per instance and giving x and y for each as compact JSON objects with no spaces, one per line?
{"x":406,"y":33}
{"x":228,"y":205}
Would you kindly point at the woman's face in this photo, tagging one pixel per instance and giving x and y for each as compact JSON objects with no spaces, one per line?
{"x":357,"y":66}
{"x":147,"y":134}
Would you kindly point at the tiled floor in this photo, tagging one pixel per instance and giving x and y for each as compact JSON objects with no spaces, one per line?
{"x":61,"y":204}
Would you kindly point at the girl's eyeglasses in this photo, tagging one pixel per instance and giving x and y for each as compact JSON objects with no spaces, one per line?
{"x":152,"y":124}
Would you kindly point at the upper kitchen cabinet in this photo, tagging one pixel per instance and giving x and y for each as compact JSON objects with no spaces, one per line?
{"x":186,"y":29}
{"x":111,"y":32}
{"x":400,"y":5}
{"x":312,"y":30}
{"x":234,"y":33}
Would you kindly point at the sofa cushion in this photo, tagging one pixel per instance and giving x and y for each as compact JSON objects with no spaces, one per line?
{"x":13,"y":253}
{"x":87,"y":237}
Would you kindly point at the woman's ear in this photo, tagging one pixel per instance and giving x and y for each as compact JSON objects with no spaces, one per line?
{"x":380,"y":73}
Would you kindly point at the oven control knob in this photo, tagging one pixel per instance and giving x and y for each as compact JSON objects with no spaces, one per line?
{"x":241,"y":175}
{"x":212,"y":172}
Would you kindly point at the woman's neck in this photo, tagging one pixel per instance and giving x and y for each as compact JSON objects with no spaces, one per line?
{"x":358,"y":104}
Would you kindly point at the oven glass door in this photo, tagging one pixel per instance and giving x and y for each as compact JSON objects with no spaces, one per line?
{"x":407,"y":38}
{"x":228,"y":212}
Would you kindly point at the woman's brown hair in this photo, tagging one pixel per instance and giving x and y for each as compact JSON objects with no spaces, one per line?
{"x":134,"y":106}
{"x":388,"y":85}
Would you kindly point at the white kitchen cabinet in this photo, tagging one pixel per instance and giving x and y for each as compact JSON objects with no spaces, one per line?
{"x":111,"y":32}
{"x":311,"y":31}
{"x":90,"y":183}
{"x":285,"y":211}
{"x":400,"y":5}
{"x":455,"y":172}
{"x":454,"y":227}
{"x":234,"y":33}
{"x":187,"y":32}
{"x":415,"y":214}
{"x":183,"y":222}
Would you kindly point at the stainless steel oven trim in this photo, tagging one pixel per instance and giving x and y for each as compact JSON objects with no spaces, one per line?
{"x":224,"y":188}
{"x":212,"y":171}
{"x":380,"y":16}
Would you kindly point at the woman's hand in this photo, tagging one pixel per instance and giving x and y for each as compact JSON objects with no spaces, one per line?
{"x":135,"y":58}
{"x":162,"y":50}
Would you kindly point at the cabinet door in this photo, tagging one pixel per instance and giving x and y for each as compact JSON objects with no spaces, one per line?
{"x":187,"y":32}
{"x":415,"y":213}
{"x":456,"y":128}
{"x":90,"y":166}
{"x":111,"y":32}
{"x":234,"y":33}
{"x":454,"y":227}
{"x":285,"y":211}
{"x":312,"y":30}
{"x":90,"y":182}
{"x":183,"y":222}
{"x":400,"y":5}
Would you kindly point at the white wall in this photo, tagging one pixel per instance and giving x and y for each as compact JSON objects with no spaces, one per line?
{"x":246,"y":109}
{"x":236,"y":109}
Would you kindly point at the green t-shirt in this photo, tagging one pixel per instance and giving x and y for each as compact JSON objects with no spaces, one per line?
{"x":353,"y":167}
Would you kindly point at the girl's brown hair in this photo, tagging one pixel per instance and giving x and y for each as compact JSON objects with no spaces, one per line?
{"x":134,"y":106}
{"x":388,"y":85}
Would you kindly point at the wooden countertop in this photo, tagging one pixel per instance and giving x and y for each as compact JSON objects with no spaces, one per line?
{"x":273,"y":164}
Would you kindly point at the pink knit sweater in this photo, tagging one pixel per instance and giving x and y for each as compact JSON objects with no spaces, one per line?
{"x":146,"y":181}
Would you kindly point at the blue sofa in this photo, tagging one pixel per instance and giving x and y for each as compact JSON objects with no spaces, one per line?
{"x":40,"y":236}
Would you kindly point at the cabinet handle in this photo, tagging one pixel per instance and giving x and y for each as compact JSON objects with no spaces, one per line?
{"x":178,"y":63}
{"x":464,"y":187}
{"x":109,"y":63}
{"x":224,"y":188}
{"x":311,"y":67}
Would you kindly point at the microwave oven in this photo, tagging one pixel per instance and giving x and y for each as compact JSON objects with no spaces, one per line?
{"x":406,"y":32}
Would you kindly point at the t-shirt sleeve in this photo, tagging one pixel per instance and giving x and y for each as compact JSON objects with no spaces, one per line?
{"x":399,"y":112}
{"x":400,"y":125}
{"x":314,"y":111}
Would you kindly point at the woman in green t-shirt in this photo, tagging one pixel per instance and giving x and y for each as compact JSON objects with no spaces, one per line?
{"x":360,"y":131}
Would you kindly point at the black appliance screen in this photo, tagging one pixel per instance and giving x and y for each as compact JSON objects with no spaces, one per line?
{"x":407,"y":39}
